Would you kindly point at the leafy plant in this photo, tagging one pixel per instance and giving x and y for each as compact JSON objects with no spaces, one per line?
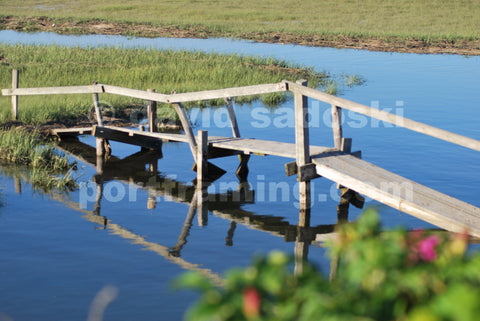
{"x":379,"y":275}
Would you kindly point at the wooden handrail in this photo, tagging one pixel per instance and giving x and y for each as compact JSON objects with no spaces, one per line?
{"x":254,"y":90}
{"x":388,"y":117}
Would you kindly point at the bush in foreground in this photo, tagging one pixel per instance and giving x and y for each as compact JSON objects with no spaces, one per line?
{"x":380,"y":275}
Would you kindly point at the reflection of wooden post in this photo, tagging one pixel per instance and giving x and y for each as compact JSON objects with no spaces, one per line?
{"x":152,"y":200}
{"x":187,"y":225}
{"x":302,"y":144}
{"x":15,"y":98}
{"x":302,"y":242}
{"x":98,"y":198}
{"x":230,"y":233}
{"x":202,"y":206}
{"x":152,"y":113}
{"x":18,"y":185}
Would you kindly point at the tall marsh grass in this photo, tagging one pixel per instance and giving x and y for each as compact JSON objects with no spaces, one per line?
{"x":163,"y":70}
{"x":46,"y":167}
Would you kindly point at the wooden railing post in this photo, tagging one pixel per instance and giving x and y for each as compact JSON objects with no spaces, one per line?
{"x":187,"y":128}
{"x":152,"y":113}
{"x":242,"y":170}
{"x":15,"y":76}
{"x":233,"y":118}
{"x":302,"y":145}
{"x":337,"y":126}
{"x":100,"y":142}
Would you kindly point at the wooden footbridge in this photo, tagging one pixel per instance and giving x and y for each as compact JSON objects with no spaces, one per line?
{"x":337,"y":163}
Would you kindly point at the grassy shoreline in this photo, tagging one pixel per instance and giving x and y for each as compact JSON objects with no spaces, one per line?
{"x":431,"y":26}
{"x":47,"y":169}
{"x":163,"y":70}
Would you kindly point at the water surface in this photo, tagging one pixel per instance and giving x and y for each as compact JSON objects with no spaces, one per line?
{"x":58,"y":253}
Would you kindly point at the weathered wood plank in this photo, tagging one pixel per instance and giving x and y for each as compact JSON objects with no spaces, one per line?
{"x":400,"y":193}
{"x":387,"y":117}
{"x":226,"y":93}
{"x":125,"y":137}
{"x":135,"y":93}
{"x":91,"y":89}
{"x":266,"y":147}
{"x":15,"y":78}
{"x":71,"y":131}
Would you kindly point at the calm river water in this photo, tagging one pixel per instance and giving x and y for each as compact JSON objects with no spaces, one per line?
{"x":57,"y":254}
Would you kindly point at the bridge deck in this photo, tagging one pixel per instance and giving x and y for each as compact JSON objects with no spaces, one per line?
{"x":400,"y":193}
{"x":244,"y":145}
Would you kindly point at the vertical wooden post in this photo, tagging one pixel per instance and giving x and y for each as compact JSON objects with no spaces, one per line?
{"x":202,"y":157}
{"x":302,"y":144}
{"x":152,"y":113}
{"x":100,"y":143}
{"x":15,"y":77}
{"x":202,"y":172}
{"x":337,"y":126}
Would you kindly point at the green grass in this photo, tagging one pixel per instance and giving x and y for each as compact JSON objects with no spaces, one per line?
{"x":47,"y":168}
{"x":449,"y":20}
{"x":165,"y":70}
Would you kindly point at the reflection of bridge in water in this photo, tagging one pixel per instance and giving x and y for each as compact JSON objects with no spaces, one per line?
{"x":141,"y":170}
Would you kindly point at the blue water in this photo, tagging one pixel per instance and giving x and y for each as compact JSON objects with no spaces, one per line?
{"x":55,"y":258}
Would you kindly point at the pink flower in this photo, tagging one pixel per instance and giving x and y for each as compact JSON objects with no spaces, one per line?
{"x":426,"y":248}
{"x":251,"y":302}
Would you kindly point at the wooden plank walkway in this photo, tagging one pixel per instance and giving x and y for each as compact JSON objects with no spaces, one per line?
{"x":400,"y":193}
{"x":243,"y":145}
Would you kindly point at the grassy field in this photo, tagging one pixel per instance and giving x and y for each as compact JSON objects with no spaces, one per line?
{"x":165,"y":70}
{"x":427,"y":20}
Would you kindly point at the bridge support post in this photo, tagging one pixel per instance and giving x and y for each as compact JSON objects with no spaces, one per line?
{"x":152,"y":114}
{"x":302,"y":145}
{"x":202,"y":158}
{"x":15,"y":98}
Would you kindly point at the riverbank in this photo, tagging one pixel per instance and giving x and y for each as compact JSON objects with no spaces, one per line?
{"x":462,"y":45}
